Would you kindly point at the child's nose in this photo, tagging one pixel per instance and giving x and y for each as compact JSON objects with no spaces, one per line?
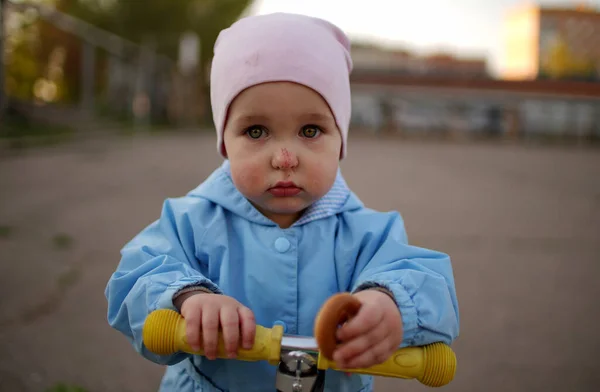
{"x":284,"y":159}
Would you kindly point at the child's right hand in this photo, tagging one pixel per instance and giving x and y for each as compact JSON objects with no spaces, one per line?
{"x":204,"y":313}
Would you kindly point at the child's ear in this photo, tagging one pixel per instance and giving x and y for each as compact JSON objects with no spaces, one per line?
{"x":223,"y":147}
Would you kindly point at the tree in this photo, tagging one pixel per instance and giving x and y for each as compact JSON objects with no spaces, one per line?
{"x":2,"y":92}
{"x":161,"y":21}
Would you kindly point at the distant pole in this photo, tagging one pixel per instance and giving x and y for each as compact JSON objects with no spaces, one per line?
{"x":142,"y":103}
{"x":88,"y":64}
{"x":189,"y":60}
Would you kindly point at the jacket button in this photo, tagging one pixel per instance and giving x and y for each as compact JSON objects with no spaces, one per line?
{"x":282,"y":244}
{"x":279,"y":322}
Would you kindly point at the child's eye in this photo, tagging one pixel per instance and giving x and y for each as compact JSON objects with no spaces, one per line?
{"x":255,"y":131}
{"x":311,"y":131}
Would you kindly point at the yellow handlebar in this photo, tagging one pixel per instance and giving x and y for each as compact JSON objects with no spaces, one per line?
{"x":164,"y":334}
{"x":433,"y":365}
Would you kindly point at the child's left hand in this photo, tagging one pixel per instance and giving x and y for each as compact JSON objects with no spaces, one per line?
{"x":371,"y":336}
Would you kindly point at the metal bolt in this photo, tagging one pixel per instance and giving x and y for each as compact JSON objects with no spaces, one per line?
{"x":297,"y":386}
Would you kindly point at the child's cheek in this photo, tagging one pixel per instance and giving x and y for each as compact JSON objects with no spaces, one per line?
{"x":321,"y":176}
{"x":248,"y":179}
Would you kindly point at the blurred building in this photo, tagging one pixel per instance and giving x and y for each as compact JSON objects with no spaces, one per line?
{"x":373,"y":58}
{"x":552,"y":43}
{"x":443,"y":64}
{"x":551,"y":67}
{"x":464,"y":108}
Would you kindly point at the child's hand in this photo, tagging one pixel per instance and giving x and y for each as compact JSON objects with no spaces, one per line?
{"x":205,"y":313}
{"x":373,"y":335}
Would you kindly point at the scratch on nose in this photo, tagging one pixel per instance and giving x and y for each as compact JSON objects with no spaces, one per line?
{"x":287,"y":158}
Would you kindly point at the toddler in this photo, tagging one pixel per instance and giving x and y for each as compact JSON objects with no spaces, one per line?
{"x":274,"y":232}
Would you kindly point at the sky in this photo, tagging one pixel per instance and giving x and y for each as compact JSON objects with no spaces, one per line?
{"x":465,"y":27}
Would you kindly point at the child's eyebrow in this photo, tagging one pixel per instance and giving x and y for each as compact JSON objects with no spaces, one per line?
{"x":252,"y":118}
{"x":317,"y":117}
{"x":259,"y":118}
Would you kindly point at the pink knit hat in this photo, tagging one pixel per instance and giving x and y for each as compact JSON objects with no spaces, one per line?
{"x":282,"y":47}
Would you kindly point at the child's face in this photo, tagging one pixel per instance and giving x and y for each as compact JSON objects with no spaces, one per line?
{"x":282,"y":134}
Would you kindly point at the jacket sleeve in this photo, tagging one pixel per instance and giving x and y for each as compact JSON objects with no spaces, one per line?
{"x":420,"y":280}
{"x":155,"y":265}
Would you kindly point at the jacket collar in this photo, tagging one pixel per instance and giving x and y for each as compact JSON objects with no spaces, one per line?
{"x":219,"y":189}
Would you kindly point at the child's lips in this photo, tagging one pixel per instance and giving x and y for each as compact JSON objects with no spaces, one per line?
{"x":285,"y":189}
{"x":286,"y":184}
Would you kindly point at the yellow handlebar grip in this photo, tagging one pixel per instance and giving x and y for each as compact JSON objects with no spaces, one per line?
{"x":164,"y":334}
{"x":440,"y":365}
{"x":433,"y":365}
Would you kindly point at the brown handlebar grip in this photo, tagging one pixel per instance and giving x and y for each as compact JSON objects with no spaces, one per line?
{"x":335,"y":311}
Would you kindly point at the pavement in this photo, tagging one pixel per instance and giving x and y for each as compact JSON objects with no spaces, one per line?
{"x":521,"y":223}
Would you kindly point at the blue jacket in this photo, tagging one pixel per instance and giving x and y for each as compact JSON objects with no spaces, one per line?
{"x":213,"y":236}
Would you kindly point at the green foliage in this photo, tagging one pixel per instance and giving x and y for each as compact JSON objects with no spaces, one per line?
{"x":5,"y":231}
{"x":161,"y":21}
{"x":62,"y":241}
{"x":22,"y":64}
{"x":65,"y":388}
